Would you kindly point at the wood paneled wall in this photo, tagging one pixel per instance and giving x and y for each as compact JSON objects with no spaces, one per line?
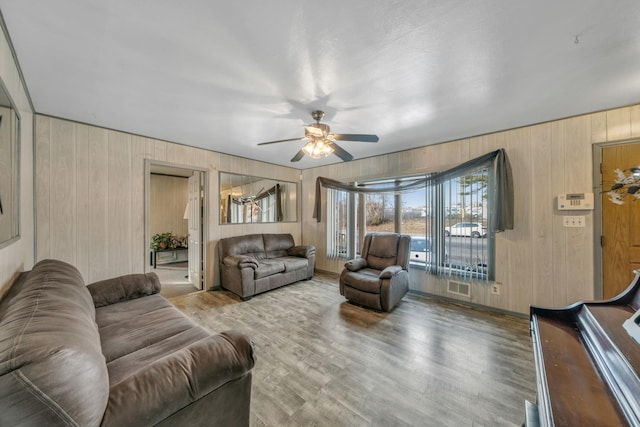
{"x":540,"y":261}
{"x":90,"y":201}
{"x":19,"y":255}
{"x":169,"y":197}
{"x":90,"y":196}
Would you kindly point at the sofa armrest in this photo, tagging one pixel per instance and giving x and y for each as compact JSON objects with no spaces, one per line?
{"x":390,"y":271}
{"x":355,"y":264}
{"x":170,"y":383}
{"x":240,"y":261}
{"x":302,"y":251}
{"x":123,"y":288}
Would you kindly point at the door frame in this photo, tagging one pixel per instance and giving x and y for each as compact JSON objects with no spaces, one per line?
{"x":148,"y":163}
{"x":597,"y":213}
{"x":597,"y":220}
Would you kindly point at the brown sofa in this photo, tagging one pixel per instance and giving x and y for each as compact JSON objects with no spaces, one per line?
{"x":114,"y":353}
{"x":255,"y":263}
{"x":379,"y":277}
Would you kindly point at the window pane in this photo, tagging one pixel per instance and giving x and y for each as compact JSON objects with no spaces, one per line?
{"x":466,"y":248}
{"x":414,"y":223}
{"x":379,"y":212}
{"x":337,"y":214}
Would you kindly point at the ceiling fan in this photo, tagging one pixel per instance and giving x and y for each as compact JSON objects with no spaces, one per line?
{"x":250,"y":199}
{"x":321,"y":142}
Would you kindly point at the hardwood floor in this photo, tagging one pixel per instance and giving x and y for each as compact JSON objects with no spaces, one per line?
{"x":175,"y":281}
{"x":321,"y":361}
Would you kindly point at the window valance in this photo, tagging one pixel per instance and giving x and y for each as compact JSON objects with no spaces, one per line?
{"x":503,"y":194}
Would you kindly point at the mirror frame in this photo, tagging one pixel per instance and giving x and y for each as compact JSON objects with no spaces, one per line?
{"x":289,"y":203}
{"x":14,"y":173}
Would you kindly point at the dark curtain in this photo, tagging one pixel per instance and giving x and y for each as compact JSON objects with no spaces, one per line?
{"x":503,"y":198}
{"x":273,"y":190}
{"x":279,"y":215}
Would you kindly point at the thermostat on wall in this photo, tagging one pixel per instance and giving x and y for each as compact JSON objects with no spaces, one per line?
{"x":575,"y":201}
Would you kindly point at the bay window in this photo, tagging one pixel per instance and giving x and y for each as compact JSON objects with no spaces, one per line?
{"x":451,"y":215}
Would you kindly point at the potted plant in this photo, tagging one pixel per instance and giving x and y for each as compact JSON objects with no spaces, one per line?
{"x":161,"y":241}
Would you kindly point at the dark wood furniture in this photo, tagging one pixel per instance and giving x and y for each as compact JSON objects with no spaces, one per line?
{"x":587,"y":365}
{"x":168,"y":256}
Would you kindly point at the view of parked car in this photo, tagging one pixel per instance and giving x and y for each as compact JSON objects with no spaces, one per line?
{"x":420,"y":249}
{"x":466,"y":229}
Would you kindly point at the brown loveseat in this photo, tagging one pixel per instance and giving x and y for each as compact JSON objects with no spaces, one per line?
{"x":114,"y":353}
{"x":256,"y":263}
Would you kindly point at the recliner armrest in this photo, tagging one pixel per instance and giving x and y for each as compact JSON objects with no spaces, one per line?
{"x":355,"y":264}
{"x":302,"y":251}
{"x":123,"y":288}
{"x":240,"y":261}
{"x":390,"y":271}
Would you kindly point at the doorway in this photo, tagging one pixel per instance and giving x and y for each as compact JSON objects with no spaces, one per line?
{"x":175,"y":212}
{"x":620,"y":220}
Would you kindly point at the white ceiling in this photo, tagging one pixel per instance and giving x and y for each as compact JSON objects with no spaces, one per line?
{"x":226,"y":75}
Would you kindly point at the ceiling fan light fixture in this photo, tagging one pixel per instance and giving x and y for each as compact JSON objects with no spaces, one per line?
{"x":317,"y":148}
{"x":321,"y":142}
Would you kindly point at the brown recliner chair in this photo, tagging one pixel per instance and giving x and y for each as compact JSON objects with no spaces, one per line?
{"x":379,"y":278}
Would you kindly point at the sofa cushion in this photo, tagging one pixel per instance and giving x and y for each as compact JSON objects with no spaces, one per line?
{"x":160,"y":362}
{"x":123,"y":288}
{"x":133,"y":325}
{"x":292,"y":263}
{"x":161,"y":386}
{"x":251,"y":244}
{"x":365,"y":280}
{"x":52,"y":370}
{"x":268,"y":267}
{"x":382,"y":251}
{"x":276,"y":245}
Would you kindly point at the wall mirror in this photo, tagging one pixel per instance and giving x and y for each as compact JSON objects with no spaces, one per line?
{"x":9,"y":170}
{"x":249,"y":199}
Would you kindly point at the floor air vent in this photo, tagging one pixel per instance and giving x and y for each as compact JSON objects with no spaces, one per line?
{"x":459,"y":288}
